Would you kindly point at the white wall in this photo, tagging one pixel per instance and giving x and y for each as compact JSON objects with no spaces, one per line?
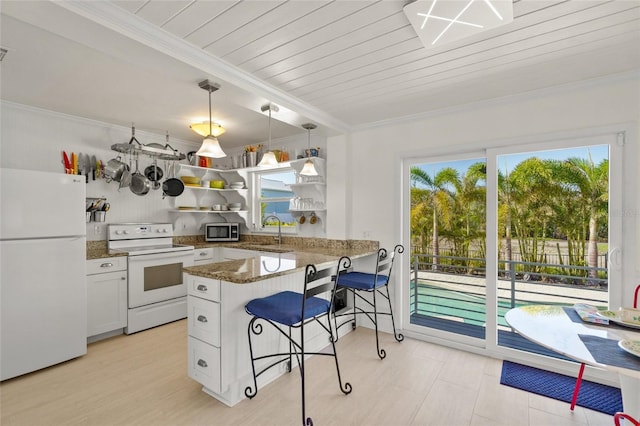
{"x":33,"y":139}
{"x":374,"y":155}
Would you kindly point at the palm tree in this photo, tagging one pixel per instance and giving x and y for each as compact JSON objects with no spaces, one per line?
{"x":593,"y":184}
{"x":531,"y":185}
{"x":439,"y":200}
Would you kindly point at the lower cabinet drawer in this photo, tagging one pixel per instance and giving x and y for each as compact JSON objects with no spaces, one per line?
{"x":204,"y":288}
{"x":204,"y":320}
{"x":204,"y":364}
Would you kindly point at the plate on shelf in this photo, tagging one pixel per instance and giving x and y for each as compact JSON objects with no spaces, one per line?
{"x":615,"y":317}
{"x":631,"y":346}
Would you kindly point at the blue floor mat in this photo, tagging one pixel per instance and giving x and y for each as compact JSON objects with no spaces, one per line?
{"x":594,"y":396}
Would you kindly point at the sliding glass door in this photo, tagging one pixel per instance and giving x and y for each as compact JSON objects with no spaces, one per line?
{"x":448,"y":210}
{"x":525,"y":224}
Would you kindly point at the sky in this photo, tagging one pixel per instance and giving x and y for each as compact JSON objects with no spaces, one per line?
{"x":598,"y":153}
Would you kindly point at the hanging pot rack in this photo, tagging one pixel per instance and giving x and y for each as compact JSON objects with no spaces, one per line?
{"x":154,"y":150}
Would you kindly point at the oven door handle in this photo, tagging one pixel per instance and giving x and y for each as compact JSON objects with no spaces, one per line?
{"x":177,"y":256}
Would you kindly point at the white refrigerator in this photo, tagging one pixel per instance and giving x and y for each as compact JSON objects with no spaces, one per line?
{"x":43,"y":297}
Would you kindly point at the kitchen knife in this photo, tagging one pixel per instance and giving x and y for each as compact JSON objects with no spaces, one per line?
{"x":67,"y":163}
{"x":93,"y":166}
{"x":80,"y":164}
{"x":74,"y":163}
{"x":87,"y":165}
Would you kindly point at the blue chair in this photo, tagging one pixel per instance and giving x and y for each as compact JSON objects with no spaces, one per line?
{"x":289,"y":310}
{"x":376,"y":283}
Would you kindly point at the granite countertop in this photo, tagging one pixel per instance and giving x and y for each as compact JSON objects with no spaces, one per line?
{"x":98,"y":250}
{"x":293,"y":255}
{"x":270,"y":265}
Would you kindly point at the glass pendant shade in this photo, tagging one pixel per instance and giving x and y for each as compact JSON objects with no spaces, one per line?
{"x":211,"y":148}
{"x":309,"y":169}
{"x":268,"y":159}
{"x":210,"y":145}
{"x":203,"y":127}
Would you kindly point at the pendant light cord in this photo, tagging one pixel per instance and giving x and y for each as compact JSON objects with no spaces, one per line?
{"x":269,"y":127}
{"x":210,"y":126}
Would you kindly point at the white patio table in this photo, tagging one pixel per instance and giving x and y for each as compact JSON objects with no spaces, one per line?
{"x":561,"y":330}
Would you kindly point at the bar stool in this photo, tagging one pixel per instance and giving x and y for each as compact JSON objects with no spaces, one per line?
{"x":289,"y":310}
{"x":373,"y":283}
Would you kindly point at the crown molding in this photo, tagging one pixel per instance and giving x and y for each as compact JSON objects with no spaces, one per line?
{"x":129,"y":25}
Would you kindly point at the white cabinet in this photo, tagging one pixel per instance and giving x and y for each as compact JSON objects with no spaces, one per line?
{"x":218,"y":346}
{"x":106,"y":295}
{"x":203,"y":343}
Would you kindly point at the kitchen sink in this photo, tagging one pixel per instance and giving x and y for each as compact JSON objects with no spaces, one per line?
{"x":270,"y":247}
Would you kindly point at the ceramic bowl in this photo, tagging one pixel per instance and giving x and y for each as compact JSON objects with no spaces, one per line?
{"x":190,"y":180}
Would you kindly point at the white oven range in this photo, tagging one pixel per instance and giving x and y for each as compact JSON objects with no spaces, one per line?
{"x":157,"y":291}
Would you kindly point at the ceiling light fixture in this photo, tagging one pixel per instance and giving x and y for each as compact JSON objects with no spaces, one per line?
{"x":269,"y":158}
{"x":210,"y":145}
{"x":204,"y":128}
{"x":309,"y":169}
{"x":439,"y":22}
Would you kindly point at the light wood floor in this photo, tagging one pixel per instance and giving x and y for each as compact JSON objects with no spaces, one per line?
{"x":142,"y":380}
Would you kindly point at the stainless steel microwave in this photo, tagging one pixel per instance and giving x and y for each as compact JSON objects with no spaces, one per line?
{"x":217,"y":232}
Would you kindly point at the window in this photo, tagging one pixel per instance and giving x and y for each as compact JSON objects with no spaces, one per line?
{"x":271,"y":198}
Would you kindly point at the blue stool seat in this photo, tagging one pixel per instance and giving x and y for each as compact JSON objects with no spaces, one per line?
{"x":284,"y":307}
{"x":362,"y":280}
{"x":374,"y":285}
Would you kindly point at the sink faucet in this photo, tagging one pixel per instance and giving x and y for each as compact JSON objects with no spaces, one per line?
{"x":279,"y":237}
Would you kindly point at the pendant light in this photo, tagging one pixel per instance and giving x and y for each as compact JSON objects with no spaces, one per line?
{"x":205,"y":128}
{"x":210,"y":145}
{"x":269,"y":158}
{"x":309,"y":169}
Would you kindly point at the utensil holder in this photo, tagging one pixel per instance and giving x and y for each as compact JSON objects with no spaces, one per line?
{"x":99,"y":216}
{"x":89,"y":214}
{"x":252,"y":158}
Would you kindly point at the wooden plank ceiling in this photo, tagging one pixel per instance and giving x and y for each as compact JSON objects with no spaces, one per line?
{"x":362,"y":61}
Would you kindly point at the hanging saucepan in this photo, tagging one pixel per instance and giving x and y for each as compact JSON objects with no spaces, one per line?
{"x":172,"y":187}
{"x":140,"y":185}
{"x":154,"y":174}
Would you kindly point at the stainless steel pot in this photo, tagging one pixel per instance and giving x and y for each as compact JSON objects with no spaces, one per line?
{"x":140,"y":185}
{"x":114,"y":169}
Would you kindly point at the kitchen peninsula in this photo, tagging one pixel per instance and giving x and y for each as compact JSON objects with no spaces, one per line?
{"x":218,"y":352}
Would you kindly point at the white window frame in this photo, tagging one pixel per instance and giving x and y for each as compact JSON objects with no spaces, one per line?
{"x":257,"y":200}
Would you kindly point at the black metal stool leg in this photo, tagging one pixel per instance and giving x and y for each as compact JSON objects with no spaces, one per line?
{"x":398,"y":336}
{"x":381,"y":352}
{"x":346,"y":388}
{"x":257,"y":329}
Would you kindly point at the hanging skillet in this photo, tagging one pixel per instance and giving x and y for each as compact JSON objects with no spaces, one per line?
{"x":172,"y":187}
